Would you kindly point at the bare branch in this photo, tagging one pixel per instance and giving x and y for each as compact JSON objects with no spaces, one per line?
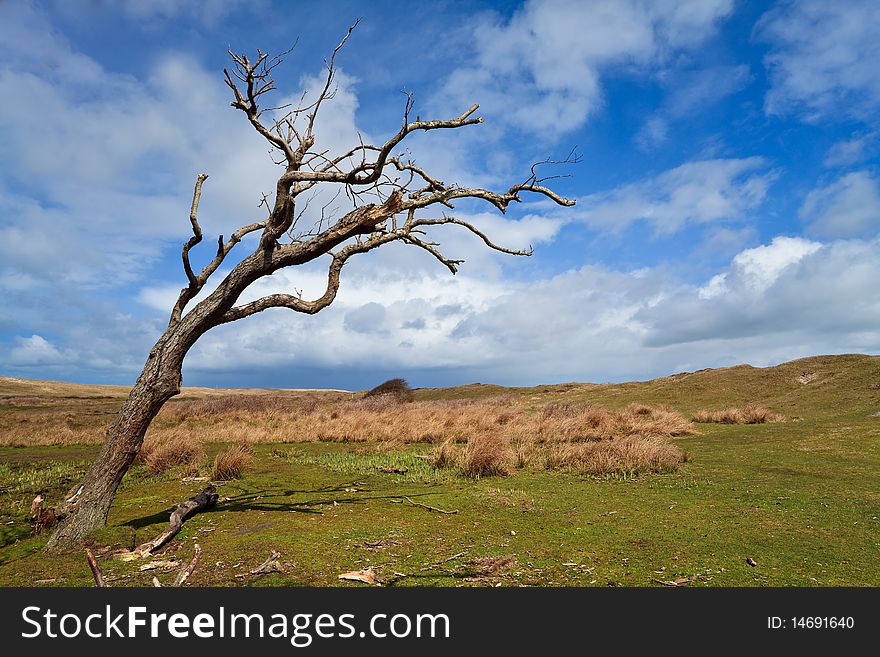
{"x":185,"y":572}
{"x":197,"y":230}
{"x":196,"y":283}
{"x":358,"y":175}
{"x":258,"y":80}
{"x":475,"y":231}
{"x":96,"y":570}
{"x":296,"y":302}
{"x":431,"y":247}
{"x":309,"y":138}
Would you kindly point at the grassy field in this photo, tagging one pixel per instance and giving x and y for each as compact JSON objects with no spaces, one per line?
{"x":337,"y":493}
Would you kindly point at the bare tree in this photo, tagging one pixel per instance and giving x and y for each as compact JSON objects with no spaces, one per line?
{"x":391,"y":199}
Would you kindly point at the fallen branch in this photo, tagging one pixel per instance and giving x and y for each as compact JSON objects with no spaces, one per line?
{"x":187,"y":571}
{"x":425,"y":506}
{"x":96,"y":570}
{"x":184,"y":573}
{"x":270,"y":565}
{"x":204,"y":500}
{"x":678,"y":581}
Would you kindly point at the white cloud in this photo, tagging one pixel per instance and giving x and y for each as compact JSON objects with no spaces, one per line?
{"x":823,"y":298}
{"x":758,"y":268}
{"x":541,"y":70}
{"x":823,"y":58}
{"x":693,"y":193}
{"x":786,"y":299}
{"x":34,"y":351}
{"x":654,"y":131}
{"x":848,"y":207}
{"x":851,"y":151}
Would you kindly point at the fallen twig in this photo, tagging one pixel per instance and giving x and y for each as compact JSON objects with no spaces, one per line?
{"x":447,"y":560}
{"x":186,"y":572}
{"x":425,"y":506}
{"x":270,"y":565}
{"x":678,"y":581}
{"x":96,"y":571}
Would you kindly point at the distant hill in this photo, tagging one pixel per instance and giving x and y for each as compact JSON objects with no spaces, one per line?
{"x":818,"y":385}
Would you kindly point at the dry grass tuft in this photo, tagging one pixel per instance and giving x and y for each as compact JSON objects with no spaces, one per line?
{"x":749,"y":414}
{"x":623,"y":456}
{"x":479,"y":437}
{"x":486,"y":455}
{"x":160,"y":455}
{"x":446,"y":456}
{"x":232,"y":462}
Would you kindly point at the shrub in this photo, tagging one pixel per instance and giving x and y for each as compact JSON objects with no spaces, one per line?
{"x":232,"y":461}
{"x":397,"y":389}
{"x":160,"y":456}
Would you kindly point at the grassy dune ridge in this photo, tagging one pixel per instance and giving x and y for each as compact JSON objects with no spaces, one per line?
{"x":327,"y":472}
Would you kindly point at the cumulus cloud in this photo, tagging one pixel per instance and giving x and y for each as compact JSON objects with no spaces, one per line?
{"x":35,"y":351}
{"x":693,"y":193}
{"x":757,"y":269}
{"x":822,"y":62}
{"x":791,"y":289}
{"x":848,"y":207}
{"x":785,"y":299}
{"x":541,"y":70}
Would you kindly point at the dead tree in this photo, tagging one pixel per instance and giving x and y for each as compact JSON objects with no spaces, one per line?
{"x":391,"y":199}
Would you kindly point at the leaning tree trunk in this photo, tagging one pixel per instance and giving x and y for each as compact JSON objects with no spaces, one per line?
{"x":89,"y":502}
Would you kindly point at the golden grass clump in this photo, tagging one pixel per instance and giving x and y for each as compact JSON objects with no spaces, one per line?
{"x":486,"y":455}
{"x":232,"y":462}
{"x":161,"y":454}
{"x":479,"y":437}
{"x":628,"y":455}
{"x":748,"y":414}
{"x":446,"y":456}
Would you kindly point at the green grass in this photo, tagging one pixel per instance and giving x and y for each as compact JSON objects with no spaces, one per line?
{"x":799,"y":497}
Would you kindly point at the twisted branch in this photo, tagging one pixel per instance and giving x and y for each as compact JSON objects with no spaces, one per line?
{"x":363,"y":173}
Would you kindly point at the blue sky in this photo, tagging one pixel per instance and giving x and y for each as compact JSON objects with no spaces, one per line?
{"x":728,"y":197}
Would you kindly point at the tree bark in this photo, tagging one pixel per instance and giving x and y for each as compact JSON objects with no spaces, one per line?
{"x":89,"y":503}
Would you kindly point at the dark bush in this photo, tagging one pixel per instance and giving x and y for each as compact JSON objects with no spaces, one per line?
{"x":398,"y":388}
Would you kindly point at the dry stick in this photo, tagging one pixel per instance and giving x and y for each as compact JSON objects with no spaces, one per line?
{"x":270,"y":565}
{"x":430,"y":508}
{"x":204,"y":500}
{"x":186,"y":572}
{"x":96,"y":571}
{"x":440,"y":563}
